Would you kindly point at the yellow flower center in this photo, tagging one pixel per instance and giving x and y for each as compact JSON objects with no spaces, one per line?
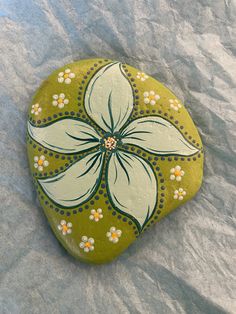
{"x":66,"y":75}
{"x":114,"y":235}
{"x":60,"y":100}
{"x":96,"y":215}
{"x":151,"y":97}
{"x":88,"y":244}
{"x":64,"y":228}
{"x":177,"y":173}
{"x":40,"y":162}
{"x":110,"y":143}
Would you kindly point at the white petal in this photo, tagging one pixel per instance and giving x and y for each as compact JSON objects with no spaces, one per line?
{"x":132,"y":186}
{"x":65,"y":136}
{"x":61,"y":105}
{"x":157,"y":136}
{"x":45,"y":163}
{"x":112,"y":229}
{"x":86,"y":249}
{"x":146,"y":101}
{"x":40,"y":168}
{"x":60,"y":79}
{"x":146,"y":94}
{"x":55,"y":97}
{"x":81,"y":245}
{"x":42,"y":157}
{"x":108,"y":234}
{"x":71,"y":75}
{"x":36,"y":165}
{"x":76,"y":184}
{"x":36,"y":158}
{"x":54,"y":103}
{"x":109,"y":98}
{"x":66,"y":101}
{"x":91,"y":240}
{"x":152,"y":102}
{"x":69,"y":225}
{"x":91,"y":217}
{"x":61,"y":74}
{"x":62,"y":96}
{"x":67,"y":80}
{"x":172,"y":177}
{"x":118,"y":232}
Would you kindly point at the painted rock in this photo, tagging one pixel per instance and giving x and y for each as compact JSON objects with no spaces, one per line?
{"x":111,"y":151}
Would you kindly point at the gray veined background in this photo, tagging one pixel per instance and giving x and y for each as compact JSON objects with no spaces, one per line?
{"x":184,"y":264}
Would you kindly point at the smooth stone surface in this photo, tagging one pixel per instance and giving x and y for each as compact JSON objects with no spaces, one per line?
{"x":111,"y":152}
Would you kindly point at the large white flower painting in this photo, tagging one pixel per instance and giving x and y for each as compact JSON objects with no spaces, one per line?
{"x":131,"y":183}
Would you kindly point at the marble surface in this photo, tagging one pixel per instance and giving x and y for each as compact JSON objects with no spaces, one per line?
{"x":186,"y":263}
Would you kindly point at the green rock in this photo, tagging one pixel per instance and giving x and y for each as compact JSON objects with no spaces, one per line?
{"x":111,"y":151}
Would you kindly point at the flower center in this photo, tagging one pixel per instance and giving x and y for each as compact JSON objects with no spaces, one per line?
{"x":40,"y":162}
{"x":114,"y":235}
{"x":64,"y":228}
{"x":177,"y":173}
{"x":87,"y":244}
{"x":60,"y":100}
{"x":66,"y":75}
{"x":110,"y":143}
{"x":152,"y":97}
{"x":96,"y":215}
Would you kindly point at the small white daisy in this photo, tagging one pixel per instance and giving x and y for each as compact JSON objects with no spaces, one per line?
{"x":114,"y":234}
{"x":87,"y":244}
{"x":65,"y":76}
{"x":65,"y":227}
{"x":35,"y":109}
{"x":179,"y":194}
{"x":142,"y":76}
{"x":175,"y":104}
{"x":59,"y":100}
{"x":151,"y":97}
{"x":176,"y":173}
{"x":96,"y":215}
{"x":40,"y":162}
